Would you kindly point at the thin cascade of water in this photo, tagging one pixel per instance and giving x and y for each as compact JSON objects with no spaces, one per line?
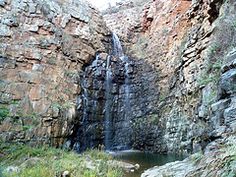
{"x":108,"y":104}
{"x":117,"y":48}
{"x":95,"y":62}
{"x":85,"y":97}
{"x":127,"y":90}
{"x":95,"y":101}
{"x":118,"y":52}
{"x":92,"y":105}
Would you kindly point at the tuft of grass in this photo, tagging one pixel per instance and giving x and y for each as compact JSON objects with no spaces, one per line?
{"x":66,"y":105}
{"x":97,"y":154}
{"x":71,"y":74}
{"x":204,"y":80}
{"x":27,"y":127}
{"x":52,"y":61}
{"x":211,"y":74}
{"x":196,"y":158}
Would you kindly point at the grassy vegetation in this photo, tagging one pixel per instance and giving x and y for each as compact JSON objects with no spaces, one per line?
{"x":51,"y":162}
{"x":71,"y":74}
{"x":195,"y":158}
{"x":213,"y":69}
{"x":66,"y":105}
{"x":162,"y":96}
{"x":4,"y":112}
{"x":52,"y":61}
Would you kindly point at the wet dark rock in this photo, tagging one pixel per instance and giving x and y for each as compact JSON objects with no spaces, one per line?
{"x":228,"y":83}
{"x":230,"y":112}
{"x":117,"y":88}
{"x":217,"y":118}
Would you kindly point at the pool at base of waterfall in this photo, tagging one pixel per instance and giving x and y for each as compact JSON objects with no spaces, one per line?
{"x":145,"y":160}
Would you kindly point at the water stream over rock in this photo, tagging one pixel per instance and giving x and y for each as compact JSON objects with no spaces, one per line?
{"x":108,"y":105}
{"x":112,"y":102}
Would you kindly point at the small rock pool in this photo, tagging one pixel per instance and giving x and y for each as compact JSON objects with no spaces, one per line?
{"x":145,"y":160}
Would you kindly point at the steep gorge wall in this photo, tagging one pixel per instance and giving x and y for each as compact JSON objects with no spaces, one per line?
{"x":175,"y":47}
{"x":181,"y":41}
{"x":43,"y":47}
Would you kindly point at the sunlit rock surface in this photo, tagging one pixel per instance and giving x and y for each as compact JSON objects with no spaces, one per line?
{"x":43,"y":46}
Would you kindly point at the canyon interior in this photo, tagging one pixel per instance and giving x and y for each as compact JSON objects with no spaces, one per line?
{"x":156,"y":76}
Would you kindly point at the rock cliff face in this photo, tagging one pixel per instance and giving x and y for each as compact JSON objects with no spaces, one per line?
{"x":43,"y":47}
{"x":61,"y":80}
{"x":181,"y":41}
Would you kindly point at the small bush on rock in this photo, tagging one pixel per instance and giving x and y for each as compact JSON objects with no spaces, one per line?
{"x":4,"y":113}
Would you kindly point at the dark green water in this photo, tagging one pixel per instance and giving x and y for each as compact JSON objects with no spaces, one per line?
{"x":145,"y":160}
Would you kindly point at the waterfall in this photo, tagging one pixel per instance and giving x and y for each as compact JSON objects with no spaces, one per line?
{"x":104,"y":111}
{"x":108,"y":105}
{"x":85,"y":97}
{"x":117,"y":48}
{"x":118,"y":52}
{"x":127,"y":90}
{"x":124,"y":136}
{"x":95,"y":62}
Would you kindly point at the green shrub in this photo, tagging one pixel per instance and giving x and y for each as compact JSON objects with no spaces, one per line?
{"x":27,"y":127}
{"x":66,"y":105}
{"x":4,"y":112}
{"x":52,"y":61}
{"x":195,"y":158}
{"x":205,"y":79}
{"x":56,"y":105}
{"x":71,"y":74}
{"x":212,"y":72}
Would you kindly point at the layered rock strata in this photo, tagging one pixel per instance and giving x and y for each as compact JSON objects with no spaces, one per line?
{"x":43,"y":47}
{"x":181,"y":41}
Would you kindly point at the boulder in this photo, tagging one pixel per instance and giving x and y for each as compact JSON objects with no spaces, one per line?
{"x":12,"y":170}
{"x":124,"y":165}
{"x":30,"y":162}
{"x":65,"y":174}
